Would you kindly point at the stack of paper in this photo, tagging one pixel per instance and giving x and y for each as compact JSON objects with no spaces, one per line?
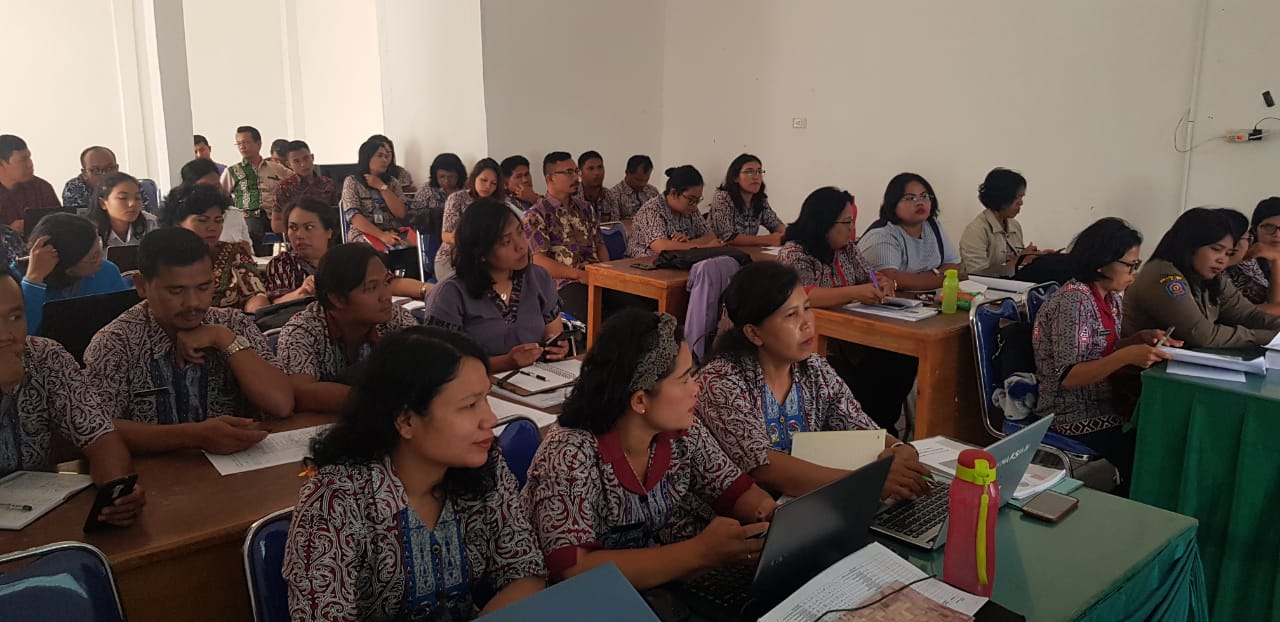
{"x":853,"y":580}
{"x":28,"y":495}
{"x":274,"y":450}
{"x":506,"y":411}
{"x":549,"y":399}
{"x":1273,"y":353}
{"x":1212,"y":366}
{"x":910,"y":314}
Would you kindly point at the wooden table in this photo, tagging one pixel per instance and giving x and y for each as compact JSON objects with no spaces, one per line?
{"x":183,"y":559}
{"x":947,"y":384}
{"x":665,"y":286}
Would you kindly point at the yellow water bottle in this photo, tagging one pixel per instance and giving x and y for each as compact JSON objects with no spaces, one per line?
{"x":950,"y":291}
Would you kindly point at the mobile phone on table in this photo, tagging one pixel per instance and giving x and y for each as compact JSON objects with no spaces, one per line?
{"x":1050,"y":506}
{"x":108,"y":494}
{"x":644,"y":265}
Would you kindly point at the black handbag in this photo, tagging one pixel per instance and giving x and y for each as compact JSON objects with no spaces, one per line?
{"x":684,"y":260}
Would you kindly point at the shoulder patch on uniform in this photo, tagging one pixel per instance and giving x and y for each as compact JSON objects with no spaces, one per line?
{"x":1174,"y":285}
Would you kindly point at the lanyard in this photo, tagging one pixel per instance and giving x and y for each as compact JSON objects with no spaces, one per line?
{"x":781,"y":421}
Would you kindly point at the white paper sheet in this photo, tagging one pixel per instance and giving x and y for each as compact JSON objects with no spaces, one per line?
{"x":42,"y":491}
{"x":506,"y":411}
{"x":852,"y":580}
{"x":1252,"y":366}
{"x":544,"y":401}
{"x":1275,"y":343}
{"x":274,"y":450}
{"x":844,"y":449}
{"x":1203,"y":371}
{"x":940,"y":454}
{"x":541,"y":376}
{"x":1003,"y":285}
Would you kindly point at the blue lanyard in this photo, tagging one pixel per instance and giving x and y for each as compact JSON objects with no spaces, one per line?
{"x":781,"y":421}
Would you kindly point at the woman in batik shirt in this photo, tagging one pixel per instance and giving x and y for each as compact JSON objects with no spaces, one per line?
{"x":740,"y":206}
{"x":1078,"y":348}
{"x":630,"y":477}
{"x":201,"y":209}
{"x":413,"y":514}
{"x":764,"y":384}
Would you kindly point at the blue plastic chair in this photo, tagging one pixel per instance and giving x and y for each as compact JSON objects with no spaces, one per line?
{"x":65,"y":581}
{"x":151,"y":191}
{"x":984,"y":321}
{"x":615,"y":241}
{"x":263,"y":563}
{"x":1036,"y":297}
{"x":518,"y":442}
{"x":273,"y":337}
{"x":430,"y":245}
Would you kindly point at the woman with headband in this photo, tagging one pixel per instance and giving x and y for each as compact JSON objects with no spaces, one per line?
{"x":630,"y":477}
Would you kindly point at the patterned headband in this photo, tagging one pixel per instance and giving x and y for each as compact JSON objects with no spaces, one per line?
{"x":660,"y":349}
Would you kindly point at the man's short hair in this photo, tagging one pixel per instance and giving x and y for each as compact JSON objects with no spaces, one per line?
{"x":295,"y":145}
{"x":171,"y":247}
{"x":511,"y":163}
{"x":9,"y":144}
{"x":250,"y":130}
{"x":639,"y":162}
{"x":86,"y":152}
{"x":279,"y":146}
{"x":587,"y":156}
{"x":552,"y":159}
{"x":201,"y":140}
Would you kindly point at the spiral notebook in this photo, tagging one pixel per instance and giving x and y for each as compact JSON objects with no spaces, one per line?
{"x":28,"y":495}
{"x":541,"y":377}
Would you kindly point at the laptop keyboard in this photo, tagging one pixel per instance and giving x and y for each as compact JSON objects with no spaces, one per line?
{"x":727,"y":588}
{"x":914,"y":518}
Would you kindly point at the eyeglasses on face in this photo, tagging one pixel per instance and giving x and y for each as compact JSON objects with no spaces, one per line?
{"x":1131,"y":265}
{"x":1268,"y":229}
{"x":569,"y":172}
{"x":753,"y":172}
{"x":106,"y":170}
{"x":691,"y":199}
{"x":923,"y":197}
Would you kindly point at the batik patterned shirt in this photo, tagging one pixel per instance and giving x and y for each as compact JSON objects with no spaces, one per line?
{"x":628,"y":201}
{"x":78,"y":193}
{"x":358,"y":198}
{"x":846,"y":268}
{"x":583,"y":493}
{"x":235,"y":276}
{"x":253,"y":188}
{"x":603,"y":205}
{"x":286,"y":272}
{"x":727,"y":221}
{"x":496,"y":325}
{"x":53,"y":396}
{"x":569,"y":234}
{"x":655,"y":221}
{"x":1252,"y":281}
{"x":454,"y":206}
{"x":358,"y":551}
{"x":296,"y":187}
{"x":132,"y":360}
{"x":731,"y":404}
{"x":310,"y":343}
{"x":1070,"y":330}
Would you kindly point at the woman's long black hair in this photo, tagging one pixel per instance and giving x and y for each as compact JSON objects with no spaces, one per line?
{"x":818,"y":215}
{"x":404,"y":373}
{"x":367,"y":151}
{"x":756,"y":292}
{"x":73,"y":237}
{"x":479,"y":230}
{"x":734,"y":189}
{"x":98,"y":211}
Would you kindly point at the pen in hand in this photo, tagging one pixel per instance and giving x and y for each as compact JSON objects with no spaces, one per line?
{"x":1167,"y":334}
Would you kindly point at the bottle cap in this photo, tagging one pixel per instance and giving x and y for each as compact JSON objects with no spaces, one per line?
{"x":953,"y":274}
{"x":976,"y":466}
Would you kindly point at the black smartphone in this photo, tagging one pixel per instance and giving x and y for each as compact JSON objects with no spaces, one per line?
{"x":564,"y":334}
{"x":1050,"y":506}
{"x":108,"y":493}
{"x":644,"y":265}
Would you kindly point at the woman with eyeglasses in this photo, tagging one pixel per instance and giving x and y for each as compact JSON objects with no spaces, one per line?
{"x":483,"y":182}
{"x":740,"y":206}
{"x":1253,"y":270}
{"x":671,"y":221}
{"x":1078,"y":349}
{"x":1185,"y":286}
{"x":907,"y":244}
{"x":66,"y":260}
{"x":630,"y":477}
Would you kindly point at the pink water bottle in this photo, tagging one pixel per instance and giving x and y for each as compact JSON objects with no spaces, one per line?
{"x":969,"y":562}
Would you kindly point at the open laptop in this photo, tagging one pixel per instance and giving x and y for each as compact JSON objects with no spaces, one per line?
{"x":806,"y":536}
{"x":923,"y":522}
{"x":124,"y":257}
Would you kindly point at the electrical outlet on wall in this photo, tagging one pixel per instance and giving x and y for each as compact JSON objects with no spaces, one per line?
{"x":1244,"y":136}
{"x":799,"y":123}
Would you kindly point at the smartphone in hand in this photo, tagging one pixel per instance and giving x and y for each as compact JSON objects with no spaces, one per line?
{"x":108,"y":494}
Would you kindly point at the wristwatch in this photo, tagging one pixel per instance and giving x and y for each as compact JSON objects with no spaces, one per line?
{"x":383,"y":188}
{"x":239,"y":344}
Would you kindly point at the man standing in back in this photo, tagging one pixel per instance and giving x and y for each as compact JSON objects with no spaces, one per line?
{"x":305,"y":182}
{"x":177,"y":373}
{"x":20,"y":189}
{"x":204,"y":151}
{"x":251,"y":183}
{"x":95,"y":164}
{"x":633,"y":190}
{"x":564,"y":233}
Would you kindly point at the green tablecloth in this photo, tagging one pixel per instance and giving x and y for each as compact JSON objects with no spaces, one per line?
{"x":1208,"y":449}
{"x":1111,"y":560}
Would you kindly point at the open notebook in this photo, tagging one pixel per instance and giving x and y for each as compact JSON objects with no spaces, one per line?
{"x":541,"y":377}
{"x":39,"y":491}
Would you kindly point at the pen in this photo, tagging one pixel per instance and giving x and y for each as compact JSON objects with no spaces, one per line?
{"x":874,"y":281}
{"x":538,"y":376}
{"x":1167,"y":335}
{"x":15,"y":507}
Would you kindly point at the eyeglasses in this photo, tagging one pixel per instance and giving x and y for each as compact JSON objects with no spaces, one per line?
{"x":691,"y":200}
{"x":923,"y":197}
{"x":846,"y":222}
{"x":753,"y":172}
{"x":1268,"y":229}
{"x":106,"y":170}
{"x":571,"y":172}
{"x":1132,"y":266}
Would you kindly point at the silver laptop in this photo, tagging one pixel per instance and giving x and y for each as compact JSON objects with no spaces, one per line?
{"x":923,"y":522}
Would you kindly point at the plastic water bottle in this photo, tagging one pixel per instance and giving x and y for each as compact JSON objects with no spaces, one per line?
{"x":950,"y":291}
{"x":969,"y":562}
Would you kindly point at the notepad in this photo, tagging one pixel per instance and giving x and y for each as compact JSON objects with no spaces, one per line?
{"x":1179,"y":368}
{"x":549,"y":399}
{"x":844,"y":449}
{"x":1203,"y":359}
{"x":274,"y":450}
{"x":42,"y":491}
{"x":506,"y":411}
{"x":541,"y":376}
{"x":910,"y":314}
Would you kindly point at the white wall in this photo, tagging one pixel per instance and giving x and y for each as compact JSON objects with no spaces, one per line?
{"x":1240,"y":61}
{"x":338,"y":82}
{"x":572,"y":76}
{"x":1080,"y":96}
{"x":237,"y":71}
{"x":71,"y":94}
{"x":432,"y":81}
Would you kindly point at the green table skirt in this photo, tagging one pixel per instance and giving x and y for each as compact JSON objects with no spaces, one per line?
{"x":1212,"y":450}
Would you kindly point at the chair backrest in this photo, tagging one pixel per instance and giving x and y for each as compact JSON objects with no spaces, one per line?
{"x":62,"y":581}
{"x":263,"y":563}
{"x":984,"y":320}
{"x":73,"y":322}
{"x":518,"y":442}
{"x":273,"y":337}
{"x":707,"y":281}
{"x":124,"y":257}
{"x":430,"y":245}
{"x":1036,"y":297}
{"x":406,"y":261}
{"x":615,"y":241}
{"x":151,"y":191}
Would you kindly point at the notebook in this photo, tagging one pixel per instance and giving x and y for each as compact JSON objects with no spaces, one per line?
{"x":541,"y":377}
{"x":37,"y":490}
{"x":910,"y":314}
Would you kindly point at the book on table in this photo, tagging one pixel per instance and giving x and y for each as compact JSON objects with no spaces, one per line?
{"x":540,"y":377}
{"x":28,"y":495}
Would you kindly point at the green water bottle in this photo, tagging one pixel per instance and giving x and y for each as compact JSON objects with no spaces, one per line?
{"x":950,"y":291}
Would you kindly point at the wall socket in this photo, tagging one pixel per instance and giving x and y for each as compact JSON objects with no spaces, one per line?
{"x":799,"y":123}
{"x":1244,"y":136}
